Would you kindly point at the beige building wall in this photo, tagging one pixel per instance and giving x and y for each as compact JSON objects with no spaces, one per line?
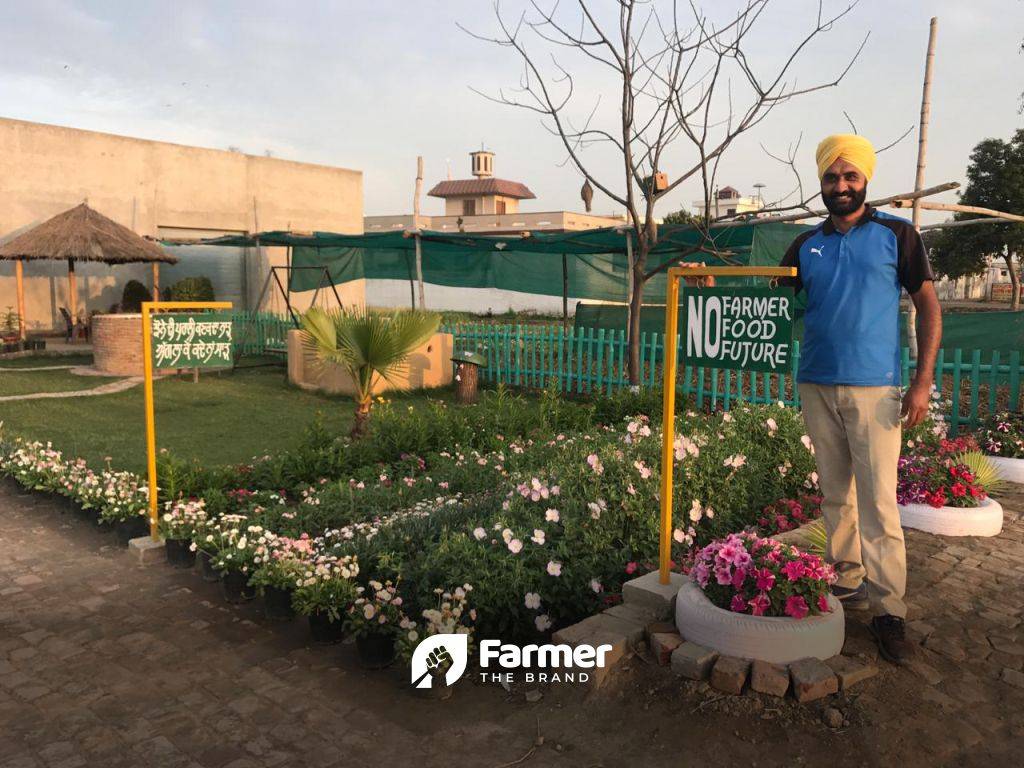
{"x":158,"y":189}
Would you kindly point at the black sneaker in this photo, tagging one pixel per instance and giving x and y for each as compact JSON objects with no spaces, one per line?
{"x":890,"y":633}
{"x":855,"y":599}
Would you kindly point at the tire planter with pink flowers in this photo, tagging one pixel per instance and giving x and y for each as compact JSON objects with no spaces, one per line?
{"x":984,"y":520}
{"x":1009,"y":469}
{"x":776,"y":639}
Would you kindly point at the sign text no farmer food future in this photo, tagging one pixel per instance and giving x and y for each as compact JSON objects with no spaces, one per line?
{"x":745,"y":328}
{"x":183,"y":340}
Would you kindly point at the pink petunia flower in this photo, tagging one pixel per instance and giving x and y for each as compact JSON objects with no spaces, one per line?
{"x":739,"y":603}
{"x":760,"y":604}
{"x":796,"y":607}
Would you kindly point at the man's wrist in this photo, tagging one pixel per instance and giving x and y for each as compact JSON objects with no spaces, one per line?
{"x":923,"y":381}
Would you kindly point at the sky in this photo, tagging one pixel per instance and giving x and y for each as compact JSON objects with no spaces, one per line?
{"x":370,"y":86}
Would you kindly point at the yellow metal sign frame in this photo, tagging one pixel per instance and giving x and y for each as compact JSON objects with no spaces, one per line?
{"x":668,"y":418}
{"x":148,"y":308}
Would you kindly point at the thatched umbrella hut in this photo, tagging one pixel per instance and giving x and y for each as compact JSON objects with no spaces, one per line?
{"x":81,"y":234}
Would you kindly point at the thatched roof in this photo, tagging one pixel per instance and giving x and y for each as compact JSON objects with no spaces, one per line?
{"x":83,"y":234}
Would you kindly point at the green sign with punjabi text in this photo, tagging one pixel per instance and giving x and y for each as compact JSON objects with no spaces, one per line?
{"x":749,"y":329}
{"x":191,"y":340}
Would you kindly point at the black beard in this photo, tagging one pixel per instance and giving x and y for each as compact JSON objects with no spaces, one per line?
{"x":845,"y":204}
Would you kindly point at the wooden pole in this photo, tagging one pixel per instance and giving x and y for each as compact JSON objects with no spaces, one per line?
{"x":922,"y":152}
{"x":416,"y":226}
{"x":19,"y":272}
{"x":156,"y":281}
{"x":72,"y":295}
{"x":957,"y":208}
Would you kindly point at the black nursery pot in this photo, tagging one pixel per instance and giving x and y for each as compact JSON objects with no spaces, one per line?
{"x":323,"y":630}
{"x":376,"y":650}
{"x":132,"y":528}
{"x":277,"y":604}
{"x":206,"y":565}
{"x":179,"y":553}
{"x":235,"y":585}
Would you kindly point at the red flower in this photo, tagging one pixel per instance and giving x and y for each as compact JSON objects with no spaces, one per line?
{"x":631,"y":567}
{"x":958,"y":490}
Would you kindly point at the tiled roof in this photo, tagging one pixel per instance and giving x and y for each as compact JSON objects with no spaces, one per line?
{"x":486,"y":186}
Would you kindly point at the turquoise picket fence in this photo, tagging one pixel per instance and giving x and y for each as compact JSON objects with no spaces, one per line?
{"x":588,"y":360}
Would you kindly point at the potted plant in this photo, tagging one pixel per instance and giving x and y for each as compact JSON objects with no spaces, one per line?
{"x":1002,"y":439}
{"x":236,"y":543}
{"x":947,"y":492}
{"x":280,"y":565}
{"x":757,"y":598}
{"x":179,"y":525}
{"x":123,"y":502}
{"x":374,"y":618}
{"x":452,"y":616}
{"x":10,"y":330}
{"x":324,"y":593}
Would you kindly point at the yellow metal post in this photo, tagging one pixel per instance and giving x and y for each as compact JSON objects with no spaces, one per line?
{"x":668,"y":423}
{"x":148,"y":307}
{"x":669,"y":402}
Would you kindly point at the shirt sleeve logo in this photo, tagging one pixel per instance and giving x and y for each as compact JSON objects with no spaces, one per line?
{"x":818,"y":250}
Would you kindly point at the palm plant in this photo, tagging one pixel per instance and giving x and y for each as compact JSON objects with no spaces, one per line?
{"x":369,"y":345}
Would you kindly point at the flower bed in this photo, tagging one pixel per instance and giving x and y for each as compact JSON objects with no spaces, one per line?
{"x":986,"y":519}
{"x":542,"y":517}
{"x":1002,"y":439}
{"x":756,"y":598}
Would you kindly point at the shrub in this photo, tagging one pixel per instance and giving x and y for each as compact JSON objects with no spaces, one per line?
{"x":1003,"y":435}
{"x":134,"y":294}
{"x":192,"y":289}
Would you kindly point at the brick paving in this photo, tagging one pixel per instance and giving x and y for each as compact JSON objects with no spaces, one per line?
{"x":105,"y":663}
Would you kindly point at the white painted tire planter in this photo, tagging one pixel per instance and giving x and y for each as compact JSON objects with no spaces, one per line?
{"x":983,"y":520}
{"x":1011,"y":470}
{"x":779,"y":640}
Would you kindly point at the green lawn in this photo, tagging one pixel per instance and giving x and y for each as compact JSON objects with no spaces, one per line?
{"x":224,"y":419}
{"x":17,"y":382}
{"x":41,"y":361}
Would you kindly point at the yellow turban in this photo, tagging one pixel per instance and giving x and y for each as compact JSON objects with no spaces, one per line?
{"x":854,"y":149}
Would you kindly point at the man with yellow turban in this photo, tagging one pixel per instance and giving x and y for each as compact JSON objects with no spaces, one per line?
{"x":852,"y":267}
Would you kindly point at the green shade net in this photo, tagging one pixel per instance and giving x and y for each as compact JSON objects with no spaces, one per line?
{"x":595,"y":260}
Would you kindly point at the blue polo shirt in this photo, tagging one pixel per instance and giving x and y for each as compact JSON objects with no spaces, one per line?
{"x":853,"y":281}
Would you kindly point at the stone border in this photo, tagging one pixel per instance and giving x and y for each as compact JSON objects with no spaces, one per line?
{"x":983,"y":520}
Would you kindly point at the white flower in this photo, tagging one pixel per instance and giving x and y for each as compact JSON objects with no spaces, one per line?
{"x":515,"y":546}
{"x":735,"y":461}
{"x":413,"y":635}
{"x":506,"y":535}
{"x":678,"y":535}
{"x":369,"y":611}
{"x":551,"y":516}
{"x":772,"y":426}
{"x":542,"y":622}
{"x":479,"y":533}
{"x":242,"y":542}
{"x":554,"y":568}
{"x":806,"y":440}
{"x":532,"y":601}
{"x":596,"y":585}
{"x":538,"y":537}
{"x":696,"y":513}
{"x":727,"y":417}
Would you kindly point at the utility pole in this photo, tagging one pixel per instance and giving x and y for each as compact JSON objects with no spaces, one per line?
{"x":416,"y":225}
{"x":922,"y":151}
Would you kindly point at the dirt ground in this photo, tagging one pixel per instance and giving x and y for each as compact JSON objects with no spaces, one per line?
{"x":105,"y":663}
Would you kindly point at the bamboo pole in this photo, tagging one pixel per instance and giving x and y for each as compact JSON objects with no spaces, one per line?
{"x":19,"y":272}
{"x":957,"y":208}
{"x":922,"y":154}
{"x":877,"y":203}
{"x":565,"y":292}
{"x":156,"y":281}
{"x":416,"y":226}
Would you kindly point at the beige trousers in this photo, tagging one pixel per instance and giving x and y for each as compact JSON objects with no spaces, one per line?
{"x":857,"y":438}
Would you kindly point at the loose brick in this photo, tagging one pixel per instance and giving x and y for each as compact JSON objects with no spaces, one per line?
{"x":656,"y":627}
{"x":663,"y":644}
{"x":850,"y":672}
{"x":693,"y":661}
{"x":729,"y":674}
{"x":812,"y":679}
{"x":769,"y":678}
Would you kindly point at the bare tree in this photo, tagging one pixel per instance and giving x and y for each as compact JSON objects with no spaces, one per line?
{"x":685,"y":91}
